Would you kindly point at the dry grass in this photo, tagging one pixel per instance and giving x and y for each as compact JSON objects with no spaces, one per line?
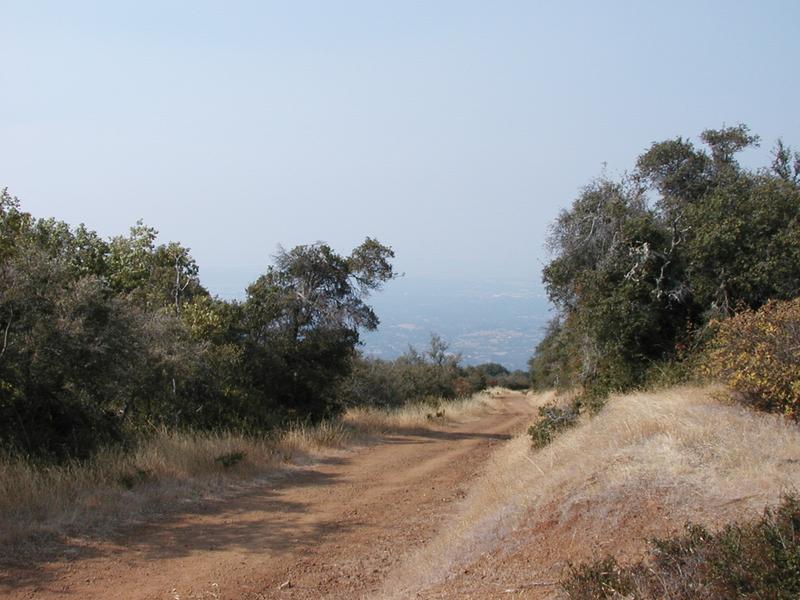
{"x":38,"y":503}
{"x":377,"y":420}
{"x":687,"y":442}
{"x":685,"y":452}
{"x":171,"y":469}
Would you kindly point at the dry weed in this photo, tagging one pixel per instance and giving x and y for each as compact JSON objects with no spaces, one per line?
{"x":379,"y":420}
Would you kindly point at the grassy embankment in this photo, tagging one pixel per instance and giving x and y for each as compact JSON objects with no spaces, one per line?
{"x":169,"y":469}
{"x":644,"y":466}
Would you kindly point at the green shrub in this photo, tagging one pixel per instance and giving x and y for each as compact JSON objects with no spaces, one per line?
{"x":417,"y":377}
{"x":554,"y":363}
{"x":231,"y":459}
{"x":131,"y":479}
{"x":752,"y":561}
{"x":669,"y":373}
{"x":601,"y":579}
{"x":757,"y":353}
{"x":553,"y":421}
{"x":516,"y":380}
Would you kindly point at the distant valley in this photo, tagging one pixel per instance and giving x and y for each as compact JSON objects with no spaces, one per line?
{"x":485,"y":320}
{"x":498,"y":320}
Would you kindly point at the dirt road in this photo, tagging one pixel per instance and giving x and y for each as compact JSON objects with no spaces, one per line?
{"x":335,"y":529}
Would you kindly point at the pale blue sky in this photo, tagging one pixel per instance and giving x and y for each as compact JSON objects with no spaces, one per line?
{"x":453,"y":131}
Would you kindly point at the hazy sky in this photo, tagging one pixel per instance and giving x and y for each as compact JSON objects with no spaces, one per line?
{"x":453,"y":131}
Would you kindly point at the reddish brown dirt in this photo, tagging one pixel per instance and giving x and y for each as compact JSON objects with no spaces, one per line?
{"x":334,"y":529}
{"x":528,"y":562}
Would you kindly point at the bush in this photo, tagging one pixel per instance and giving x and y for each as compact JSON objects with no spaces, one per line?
{"x":54,"y":429}
{"x":408,"y":378}
{"x":602,"y":579}
{"x":758,"y":560}
{"x":757,"y":353}
{"x":554,"y":364}
{"x":516,"y":380}
{"x":553,"y":421}
{"x":230,"y":459}
{"x":418,"y":377}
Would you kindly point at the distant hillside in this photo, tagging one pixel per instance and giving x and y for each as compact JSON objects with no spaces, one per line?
{"x":485,"y":320}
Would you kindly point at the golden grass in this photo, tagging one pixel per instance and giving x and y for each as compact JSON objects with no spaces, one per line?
{"x":380,"y":420}
{"x":171,"y":469}
{"x":687,"y":442}
{"x":115,"y":487}
{"x":689,"y":450}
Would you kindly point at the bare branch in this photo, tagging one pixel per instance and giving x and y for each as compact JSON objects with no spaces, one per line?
{"x":5,"y":334}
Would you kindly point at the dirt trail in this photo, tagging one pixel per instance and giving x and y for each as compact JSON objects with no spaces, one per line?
{"x":334,"y":529}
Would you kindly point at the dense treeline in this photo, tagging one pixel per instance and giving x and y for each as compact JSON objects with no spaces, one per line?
{"x":642,"y":265}
{"x":103,"y":338}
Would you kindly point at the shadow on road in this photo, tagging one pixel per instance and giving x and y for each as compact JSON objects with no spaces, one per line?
{"x":259,"y":519}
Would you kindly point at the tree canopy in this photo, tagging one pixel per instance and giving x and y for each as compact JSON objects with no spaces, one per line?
{"x":641,"y":264}
{"x":100,"y":339}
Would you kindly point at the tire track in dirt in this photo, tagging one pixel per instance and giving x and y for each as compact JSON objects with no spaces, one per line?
{"x":334,"y":529}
